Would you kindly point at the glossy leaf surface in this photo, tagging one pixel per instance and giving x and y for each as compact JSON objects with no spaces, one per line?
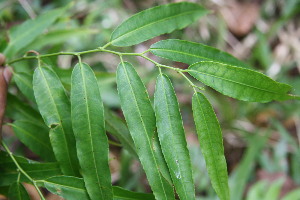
{"x":54,"y":107}
{"x":239,"y":83}
{"x":140,"y":118}
{"x":211,"y":144}
{"x":35,"y":137}
{"x":172,"y":137}
{"x":156,"y":21}
{"x":89,"y":128}
{"x":191,"y":52}
{"x":18,"y":192}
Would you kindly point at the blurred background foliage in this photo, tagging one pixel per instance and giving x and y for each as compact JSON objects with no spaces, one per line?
{"x":261,"y":140}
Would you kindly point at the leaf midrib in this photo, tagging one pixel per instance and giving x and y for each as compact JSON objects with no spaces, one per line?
{"x":144,"y":127}
{"x":157,"y":21}
{"x":239,"y":83}
{"x":24,"y":35}
{"x":66,"y":186}
{"x":170,"y":125}
{"x":32,"y":136}
{"x":210,"y":142}
{"x":89,"y":125}
{"x":62,"y":127}
{"x":180,"y":52}
{"x":22,"y":80}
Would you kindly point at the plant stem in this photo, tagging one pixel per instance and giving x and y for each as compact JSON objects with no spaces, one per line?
{"x":102,"y":49}
{"x":190,"y":82}
{"x":22,"y":171}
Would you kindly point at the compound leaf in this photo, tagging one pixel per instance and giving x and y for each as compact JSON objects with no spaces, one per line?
{"x":140,"y":118}
{"x":172,"y":138}
{"x":18,"y":192}
{"x":156,"y":21}
{"x":191,"y":52}
{"x":35,"y":137}
{"x":239,"y":83}
{"x":54,"y":107}
{"x":211,"y":143}
{"x":89,"y":128}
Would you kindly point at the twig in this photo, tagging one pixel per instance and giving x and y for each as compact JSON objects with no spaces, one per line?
{"x":22,"y":171}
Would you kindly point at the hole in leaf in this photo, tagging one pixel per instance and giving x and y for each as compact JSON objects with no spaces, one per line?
{"x":53,"y":126}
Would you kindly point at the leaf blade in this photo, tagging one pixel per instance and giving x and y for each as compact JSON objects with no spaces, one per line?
{"x":240,"y":83}
{"x":140,"y":118}
{"x":191,"y":52}
{"x":117,"y":128}
{"x":24,"y":83}
{"x":73,"y":188}
{"x":67,"y":187}
{"x":211,"y":143}
{"x":172,"y":137}
{"x":18,"y":192}
{"x":54,"y":107}
{"x":156,"y":21}
{"x":27,"y":32}
{"x":123,"y":194}
{"x":35,"y":137}
{"x":36,"y":170}
{"x":89,"y":128}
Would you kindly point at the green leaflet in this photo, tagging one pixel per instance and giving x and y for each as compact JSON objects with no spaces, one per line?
{"x":36,"y":170}
{"x":89,"y":128}
{"x":24,"y":83}
{"x":54,"y":107}
{"x":68,"y":187}
{"x":239,"y":83}
{"x":60,"y":36}
{"x":140,"y":118}
{"x":16,"y":109}
{"x":118,"y":128}
{"x":211,"y":143}
{"x":191,"y":52}
{"x":18,"y":192}
{"x":122,"y":194}
{"x":22,"y":35}
{"x":156,"y":21}
{"x":35,"y":137}
{"x":172,"y":138}
{"x":72,"y":188}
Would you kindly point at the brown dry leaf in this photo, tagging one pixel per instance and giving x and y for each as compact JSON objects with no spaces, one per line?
{"x":240,"y":17}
